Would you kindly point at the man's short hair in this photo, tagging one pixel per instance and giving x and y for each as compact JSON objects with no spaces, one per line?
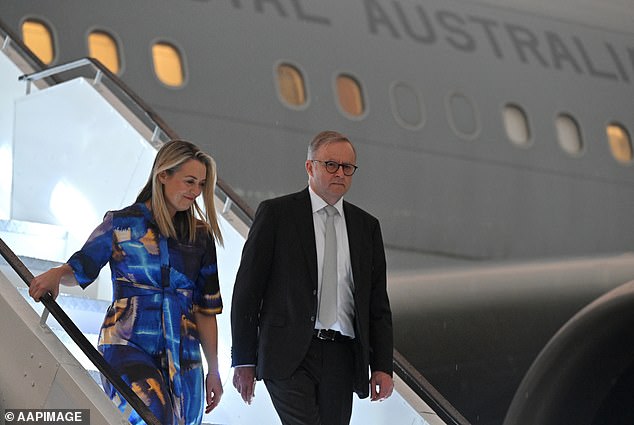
{"x":324,"y":138}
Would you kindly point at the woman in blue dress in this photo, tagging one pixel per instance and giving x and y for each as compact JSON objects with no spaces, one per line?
{"x":166,"y":293}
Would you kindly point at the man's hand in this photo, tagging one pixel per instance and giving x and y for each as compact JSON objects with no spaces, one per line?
{"x":244,"y":381}
{"x":381,"y":386}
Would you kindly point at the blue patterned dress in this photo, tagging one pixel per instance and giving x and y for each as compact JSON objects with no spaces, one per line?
{"x":149,"y":334}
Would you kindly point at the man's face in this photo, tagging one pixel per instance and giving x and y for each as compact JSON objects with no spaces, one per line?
{"x":330,"y":187}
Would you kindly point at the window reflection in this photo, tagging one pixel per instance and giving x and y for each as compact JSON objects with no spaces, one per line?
{"x":350,"y":96}
{"x":168,"y":64}
{"x":290,"y":85}
{"x":516,"y":125}
{"x":37,"y":37}
{"x":620,"y":143}
{"x":103,"y":47}
{"x":568,"y":134}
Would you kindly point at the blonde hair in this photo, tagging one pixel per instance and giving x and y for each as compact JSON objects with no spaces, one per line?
{"x":170,"y":158}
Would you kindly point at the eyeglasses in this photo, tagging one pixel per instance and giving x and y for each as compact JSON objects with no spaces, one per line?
{"x":333,"y":166}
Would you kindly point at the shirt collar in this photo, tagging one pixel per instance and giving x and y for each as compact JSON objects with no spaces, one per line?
{"x":318,"y":203}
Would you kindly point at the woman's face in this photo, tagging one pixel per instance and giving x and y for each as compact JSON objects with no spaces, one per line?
{"x":183,"y":186}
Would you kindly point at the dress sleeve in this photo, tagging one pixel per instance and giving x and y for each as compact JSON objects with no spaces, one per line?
{"x":207,"y":299}
{"x":96,"y":252}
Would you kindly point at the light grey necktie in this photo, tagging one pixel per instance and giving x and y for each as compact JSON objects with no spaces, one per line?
{"x":328,"y":297}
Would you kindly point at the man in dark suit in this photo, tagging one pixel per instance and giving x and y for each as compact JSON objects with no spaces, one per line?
{"x":310,"y":312}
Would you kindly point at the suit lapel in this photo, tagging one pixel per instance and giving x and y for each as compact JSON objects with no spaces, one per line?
{"x":353,"y":225}
{"x":303,"y":217}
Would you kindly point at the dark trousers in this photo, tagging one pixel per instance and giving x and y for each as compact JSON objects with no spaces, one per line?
{"x":319,"y":392}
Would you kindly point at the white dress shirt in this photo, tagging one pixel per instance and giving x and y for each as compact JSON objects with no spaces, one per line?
{"x":345,"y":284}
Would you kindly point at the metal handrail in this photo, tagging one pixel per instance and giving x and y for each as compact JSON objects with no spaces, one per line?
{"x":426,"y":391}
{"x":76,"y":335}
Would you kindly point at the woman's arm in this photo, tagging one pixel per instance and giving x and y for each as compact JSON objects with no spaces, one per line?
{"x":82,"y":267}
{"x":208,"y":332}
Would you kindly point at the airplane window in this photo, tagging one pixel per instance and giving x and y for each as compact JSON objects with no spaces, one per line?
{"x":516,"y":125}
{"x":568,"y":134}
{"x":407,"y":107}
{"x":350,"y":96}
{"x":103,"y":47}
{"x":462,"y":116}
{"x":168,"y":64}
{"x":38,"y":37}
{"x":620,"y":143}
{"x":290,"y":85}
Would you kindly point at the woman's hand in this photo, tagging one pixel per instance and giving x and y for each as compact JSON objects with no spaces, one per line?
{"x":48,"y":282}
{"x":213,"y":390}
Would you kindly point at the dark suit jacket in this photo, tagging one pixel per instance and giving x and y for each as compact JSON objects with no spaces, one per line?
{"x":274,"y":302}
